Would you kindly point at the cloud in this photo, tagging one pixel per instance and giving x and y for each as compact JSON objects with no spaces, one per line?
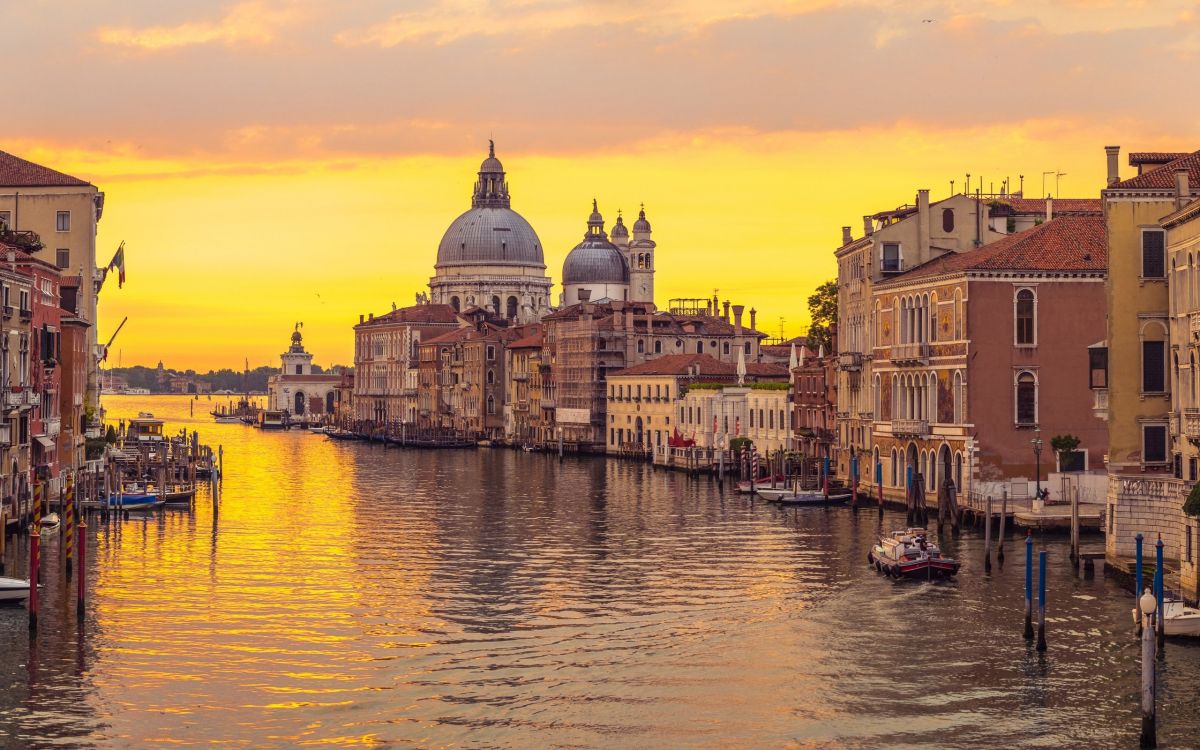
{"x":247,"y":22}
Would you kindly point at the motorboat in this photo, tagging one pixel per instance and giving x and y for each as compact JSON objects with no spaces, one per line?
{"x":227,"y":419}
{"x":14,"y":589}
{"x":50,"y":522}
{"x":1178,"y":618}
{"x":319,"y":430}
{"x":145,"y":429}
{"x":272,"y":420}
{"x":911,"y":554}
{"x":180,"y":496}
{"x":134,"y":501}
{"x":813,"y":498}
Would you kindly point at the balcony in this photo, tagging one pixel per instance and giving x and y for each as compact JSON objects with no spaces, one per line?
{"x":850,"y":360}
{"x":1100,"y":403}
{"x":521,"y":376}
{"x":916,"y":353}
{"x":547,"y":403}
{"x":33,"y":398}
{"x":53,"y":426}
{"x":8,"y":311}
{"x":1194,"y":323}
{"x":26,"y":314}
{"x":1191,"y":424}
{"x":910,"y":427}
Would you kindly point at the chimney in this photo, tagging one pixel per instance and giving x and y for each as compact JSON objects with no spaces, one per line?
{"x":1182,"y":192}
{"x":847,"y":238}
{"x":726,"y":314}
{"x":372,"y":317}
{"x":1049,"y":208}
{"x":360,"y":317}
{"x":716,"y":305}
{"x":868,"y":226}
{"x":1113,"y":170}
{"x":737,"y":319}
{"x":585,"y":295}
{"x":922,"y":226}
{"x":753,"y":315}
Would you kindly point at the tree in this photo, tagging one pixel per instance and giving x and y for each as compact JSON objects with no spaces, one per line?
{"x":1064,"y":446}
{"x":822,"y":308}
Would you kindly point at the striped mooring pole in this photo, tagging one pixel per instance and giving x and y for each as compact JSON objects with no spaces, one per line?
{"x":69,"y":517}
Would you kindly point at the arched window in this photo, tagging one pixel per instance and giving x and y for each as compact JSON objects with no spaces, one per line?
{"x":1192,"y":375}
{"x":658,"y":347}
{"x":948,"y":220}
{"x":957,"y":395}
{"x":878,"y":398}
{"x":958,"y":471}
{"x":895,"y":466}
{"x":746,"y":348}
{"x":496,"y":305}
{"x":875,"y":465}
{"x":454,"y":303}
{"x":933,"y":317}
{"x":491,"y":377}
{"x":959,"y":323}
{"x":329,"y":403}
{"x":1026,"y":399}
{"x":491,"y":405}
{"x":699,"y":347}
{"x":726,"y":347}
{"x":641,"y":346}
{"x":1026,"y":318}
{"x":1154,"y":356}
{"x":512,"y":308}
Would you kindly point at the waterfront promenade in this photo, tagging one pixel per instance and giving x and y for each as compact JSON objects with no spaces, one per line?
{"x":344,"y":594}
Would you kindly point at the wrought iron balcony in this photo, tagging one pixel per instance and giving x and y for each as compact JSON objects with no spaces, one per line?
{"x":910,"y":427}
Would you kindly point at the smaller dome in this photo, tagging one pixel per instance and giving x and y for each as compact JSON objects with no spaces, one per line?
{"x":641,"y":225}
{"x":593,"y":262}
{"x":296,"y":337}
{"x":491,"y":163}
{"x":619,"y":229}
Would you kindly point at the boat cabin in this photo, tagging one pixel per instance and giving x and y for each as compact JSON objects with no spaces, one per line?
{"x":145,"y":429}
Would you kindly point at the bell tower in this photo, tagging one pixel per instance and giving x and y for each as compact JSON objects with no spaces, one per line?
{"x":641,"y":261}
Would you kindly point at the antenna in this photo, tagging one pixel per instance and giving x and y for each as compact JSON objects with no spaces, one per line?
{"x":781,"y":336}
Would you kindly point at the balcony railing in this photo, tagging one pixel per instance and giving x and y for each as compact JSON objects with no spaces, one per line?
{"x":1191,"y":424}
{"x":915,"y":353}
{"x":26,"y":313}
{"x":850,"y":360}
{"x":910,"y":427}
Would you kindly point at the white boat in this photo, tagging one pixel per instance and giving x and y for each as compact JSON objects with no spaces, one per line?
{"x":1178,"y":619}
{"x":321,"y":430}
{"x":814,"y":498}
{"x":772,"y":493}
{"x":13,"y":589}
{"x":50,"y":522}
{"x":227,"y":419}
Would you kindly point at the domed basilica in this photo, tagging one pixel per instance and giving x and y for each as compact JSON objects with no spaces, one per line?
{"x":490,"y":257}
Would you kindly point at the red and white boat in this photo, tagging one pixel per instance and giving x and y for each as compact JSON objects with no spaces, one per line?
{"x":911,"y":554}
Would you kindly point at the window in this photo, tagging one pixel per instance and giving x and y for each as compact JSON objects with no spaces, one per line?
{"x":491,"y":405}
{"x":63,"y":221}
{"x":62,"y":258}
{"x":512,"y":308}
{"x":491,"y":352}
{"x":491,"y":377}
{"x":948,"y":220}
{"x":957,"y":395}
{"x":746,"y":348}
{"x":299,"y":369}
{"x":699,"y":347}
{"x":1026,"y":399}
{"x":1026,"y":330}
{"x":891,"y":261}
{"x":1154,"y":444}
{"x":1074,"y":461}
{"x":1153,"y":254}
{"x":1098,"y":367}
{"x":24,"y":299}
{"x":726,"y":347}
{"x":1187,"y":543}
{"x":658,"y":347}
{"x":641,"y":346}
{"x":1154,"y":367}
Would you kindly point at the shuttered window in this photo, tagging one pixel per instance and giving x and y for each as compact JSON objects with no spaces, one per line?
{"x":1026,"y":399}
{"x":1153,"y":367}
{"x":1154,"y":264}
{"x":1025,"y":318}
{"x":1154,"y":444}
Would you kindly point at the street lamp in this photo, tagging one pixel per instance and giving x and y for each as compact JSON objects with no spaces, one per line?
{"x":1037,"y":457}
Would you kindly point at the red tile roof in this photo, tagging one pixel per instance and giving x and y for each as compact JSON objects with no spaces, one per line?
{"x":1154,"y":157}
{"x":452,"y":337}
{"x":1037,"y":206}
{"x":1163,"y":178}
{"x":710,"y":366}
{"x":1067,"y":243}
{"x":17,"y":172}
{"x":420,"y":314}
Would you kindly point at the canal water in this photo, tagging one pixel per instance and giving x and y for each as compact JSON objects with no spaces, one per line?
{"x":347,"y":595}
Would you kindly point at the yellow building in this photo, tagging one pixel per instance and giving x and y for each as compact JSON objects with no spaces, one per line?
{"x":1135,"y":371}
{"x":63,"y":211}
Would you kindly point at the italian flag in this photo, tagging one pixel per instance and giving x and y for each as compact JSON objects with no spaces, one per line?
{"x":118,"y":262}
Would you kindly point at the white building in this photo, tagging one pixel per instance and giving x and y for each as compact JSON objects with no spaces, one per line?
{"x":298,"y":390}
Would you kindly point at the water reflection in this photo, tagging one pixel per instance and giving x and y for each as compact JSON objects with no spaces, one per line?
{"x":348,"y":594}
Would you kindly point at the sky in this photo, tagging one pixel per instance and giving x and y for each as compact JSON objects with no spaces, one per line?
{"x":274,"y":161}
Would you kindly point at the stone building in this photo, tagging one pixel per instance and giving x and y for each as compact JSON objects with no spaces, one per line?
{"x":490,"y":257}
{"x":298,"y":390}
{"x":600,"y":270}
{"x":975,"y":353}
{"x":814,"y":380}
{"x":523,"y":420}
{"x":1150,"y":349}
{"x":385,"y":361}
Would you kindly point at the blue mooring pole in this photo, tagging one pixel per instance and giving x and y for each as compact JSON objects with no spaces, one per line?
{"x":1041,"y":642}
{"x":1029,"y":585}
{"x":1159,"y":622}
{"x":1137,"y":598}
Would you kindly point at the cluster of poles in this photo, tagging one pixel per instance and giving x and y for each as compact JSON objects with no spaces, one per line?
{"x":74,"y":536}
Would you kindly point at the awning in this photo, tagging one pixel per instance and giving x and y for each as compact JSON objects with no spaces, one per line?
{"x":45,"y":442}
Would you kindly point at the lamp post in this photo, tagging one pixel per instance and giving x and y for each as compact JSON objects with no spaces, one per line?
{"x":1037,"y":457}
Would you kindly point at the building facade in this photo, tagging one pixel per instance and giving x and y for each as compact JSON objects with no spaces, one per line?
{"x":298,"y":390}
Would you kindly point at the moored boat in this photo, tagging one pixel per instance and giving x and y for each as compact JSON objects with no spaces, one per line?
{"x":1178,"y":619}
{"x":13,"y":589}
{"x":745,"y":487}
{"x":814,"y":498}
{"x":911,"y":554}
{"x":134,"y":501}
{"x":271,"y":420}
{"x":50,"y":522}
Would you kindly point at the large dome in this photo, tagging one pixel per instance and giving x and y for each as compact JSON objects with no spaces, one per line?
{"x":595,"y":262}
{"x":490,"y":236}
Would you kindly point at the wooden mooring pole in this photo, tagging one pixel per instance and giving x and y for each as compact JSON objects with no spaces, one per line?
{"x":81,"y":543}
{"x":1041,"y":641}
{"x":1075,"y":526}
{"x":35,"y":548}
{"x":987,"y":535}
{"x":1146,"y":603}
{"x":1029,"y":585}
{"x":1137,"y":540}
{"x":1003,"y":520}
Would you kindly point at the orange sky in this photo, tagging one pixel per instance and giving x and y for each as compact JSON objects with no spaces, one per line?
{"x":273,"y":161}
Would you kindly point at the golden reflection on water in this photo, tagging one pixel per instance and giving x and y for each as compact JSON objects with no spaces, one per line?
{"x":344,"y":594}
